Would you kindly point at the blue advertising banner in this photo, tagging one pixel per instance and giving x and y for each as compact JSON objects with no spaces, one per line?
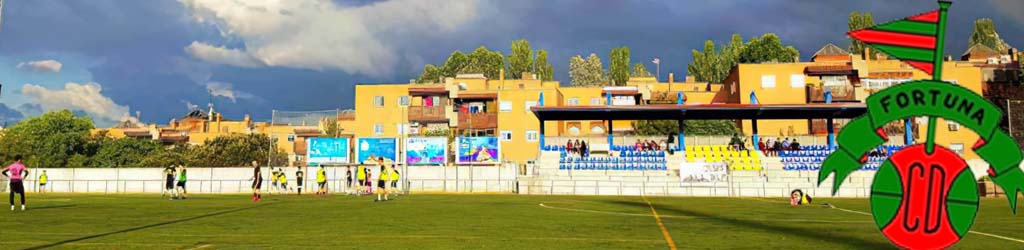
{"x":373,"y":148}
{"x":327,"y":151}
{"x":426,"y":150}
{"x":477,"y":150}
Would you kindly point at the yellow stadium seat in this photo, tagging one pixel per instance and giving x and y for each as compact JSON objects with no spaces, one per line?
{"x":689,"y":148}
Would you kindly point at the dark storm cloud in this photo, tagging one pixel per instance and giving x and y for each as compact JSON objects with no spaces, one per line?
{"x":138,"y":46}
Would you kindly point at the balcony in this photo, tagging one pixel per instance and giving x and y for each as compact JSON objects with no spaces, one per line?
{"x":427,"y":114}
{"x":478,"y":121}
{"x":839,"y":94}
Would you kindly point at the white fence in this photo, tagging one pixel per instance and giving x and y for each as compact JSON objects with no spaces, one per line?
{"x":239,"y":180}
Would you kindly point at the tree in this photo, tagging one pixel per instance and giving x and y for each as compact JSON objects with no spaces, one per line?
{"x":454,"y":64}
{"x":430,"y":74}
{"x":47,"y":141}
{"x":640,"y":71}
{"x":618,"y":71}
{"x":690,"y":127}
{"x":541,"y":66}
{"x":711,"y":65}
{"x":859,"y":21}
{"x":125,"y":152}
{"x":238,"y":150}
{"x":706,"y":65}
{"x":175,"y":155}
{"x":330,"y":128}
{"x":768,"y":49}
{"x":484,"y":61}
{"x":521,"y":59}
{"x":985,"y":34}
{"x":586,"y":72}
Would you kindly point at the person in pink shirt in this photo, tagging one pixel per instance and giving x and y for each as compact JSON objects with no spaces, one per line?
{"x":16,"y":172}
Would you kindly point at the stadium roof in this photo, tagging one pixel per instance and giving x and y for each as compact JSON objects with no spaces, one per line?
{"x":702,"y":112}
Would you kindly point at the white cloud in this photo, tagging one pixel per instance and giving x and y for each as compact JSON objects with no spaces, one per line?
{"x":189,"y":106}
{"x":319,"y":34}
{"x":222,"y":55}
{"x":85,"y":97}
{"x":49,"y":66}
{"x":226,"y":90}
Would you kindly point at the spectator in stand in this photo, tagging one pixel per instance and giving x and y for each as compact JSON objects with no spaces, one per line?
{"x":884,"y":153}
{"x":769,"y":150}
{"x":760,"y":144}
{"x":785,"y":144}
{"x":670,"y":142}
{"x":584,"y":149}
{"x":576,"y":146}
{"x":795,"y":146}
{"x":568,"y":147}
{"x":655,"y":145}
{"x":777,"y":146}
{"x":735,"y":142}
{"x":638,"y":145}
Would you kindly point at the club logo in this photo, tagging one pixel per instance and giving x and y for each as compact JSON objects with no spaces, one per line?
{"x":924,"y":196}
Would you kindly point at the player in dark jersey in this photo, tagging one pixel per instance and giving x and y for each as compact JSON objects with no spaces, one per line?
{"x":298,"y":179}
{"x":169,"y":181}
{"x":257,"y":181}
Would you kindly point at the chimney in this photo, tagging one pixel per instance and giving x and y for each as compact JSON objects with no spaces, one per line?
{"x":691,"y":79}
{"x":867,"y":54}
{"x":247,"y":118}
{"x":671,"y":78}
{"x":219,"y":117}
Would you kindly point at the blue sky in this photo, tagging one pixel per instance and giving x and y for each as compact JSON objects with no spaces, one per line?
{"x":110,"y":58}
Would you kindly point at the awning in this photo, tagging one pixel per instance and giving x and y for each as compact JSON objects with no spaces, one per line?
{"x":428,"y":91}
{"x":478,"y":96}
{"x":702,"y":112}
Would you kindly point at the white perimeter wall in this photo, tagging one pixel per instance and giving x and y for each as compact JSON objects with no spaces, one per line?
{"x":238,"y":180}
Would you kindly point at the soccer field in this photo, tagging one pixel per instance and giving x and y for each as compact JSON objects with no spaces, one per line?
{"x":462,"y":222}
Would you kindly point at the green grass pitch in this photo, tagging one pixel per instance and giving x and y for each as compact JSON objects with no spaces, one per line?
{"x":80,"y":221}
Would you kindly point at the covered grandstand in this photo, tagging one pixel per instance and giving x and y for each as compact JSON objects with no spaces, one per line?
{"x":623,"y":169}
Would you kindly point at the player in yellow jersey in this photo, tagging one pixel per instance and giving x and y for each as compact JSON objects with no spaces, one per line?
{"x":321,"y":181}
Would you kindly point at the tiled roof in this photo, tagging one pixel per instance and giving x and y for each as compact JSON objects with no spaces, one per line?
{"x":831,"y":50}
{"x":980,"y":49}
{"x":829,"y":70}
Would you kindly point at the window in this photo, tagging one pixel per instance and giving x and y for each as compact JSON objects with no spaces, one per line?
{"x":953,"y":126}
{"x":767,"y":81}
{"x":506,"y":135}
{"x":957,"y":147}
{"x":796,"y":81}
{"x":378,"y":101}
{"x":291,"y":138}
{"x":532,"y":135}
{"x":378,"y":129}
{"x":835,"y":81}
{"x":401,"y":128}
{"x":403,"y":101}
{"x":574,"y":101}
{"x":529,"y":104}
{"x":595,"y":101}
{"x":431,"y":101}
{"x":505,"y":106}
